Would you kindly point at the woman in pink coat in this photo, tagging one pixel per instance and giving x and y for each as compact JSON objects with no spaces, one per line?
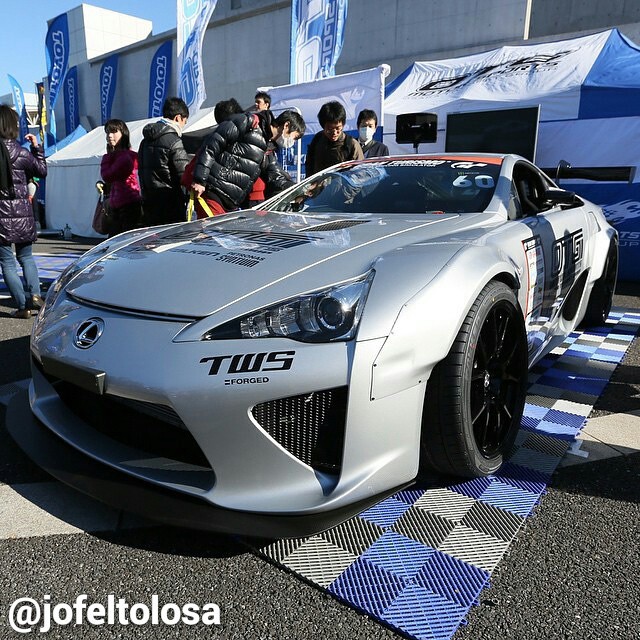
{"x":119,"y":169}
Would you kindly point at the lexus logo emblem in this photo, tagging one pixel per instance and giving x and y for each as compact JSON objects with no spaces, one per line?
{"x":88,"y":333}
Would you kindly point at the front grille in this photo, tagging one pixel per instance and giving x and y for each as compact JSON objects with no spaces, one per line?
{"x":310,"y":426}
{"x":152,"y":428}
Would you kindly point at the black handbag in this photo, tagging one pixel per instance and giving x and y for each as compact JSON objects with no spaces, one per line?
{"x":101,"y":221}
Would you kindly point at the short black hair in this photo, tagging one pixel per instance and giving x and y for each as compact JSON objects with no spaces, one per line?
{"x":9,"y":123}
{"x":295,"y":120}
{"x":113,"y":125}
{"x":265,"y":96}
{"x":226,"y":108}
{"x":367,"y":114}
{"x":173,"y":107}
{"x":331,"y":112}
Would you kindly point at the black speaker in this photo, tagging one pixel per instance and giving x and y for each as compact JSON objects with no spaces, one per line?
{"x":415,"y":128}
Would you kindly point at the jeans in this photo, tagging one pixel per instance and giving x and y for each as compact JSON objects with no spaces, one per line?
{"x":10,"y":272}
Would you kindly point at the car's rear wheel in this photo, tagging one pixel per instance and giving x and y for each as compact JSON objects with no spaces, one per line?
{"x":475,"y":396}
{"x":601,"y":297}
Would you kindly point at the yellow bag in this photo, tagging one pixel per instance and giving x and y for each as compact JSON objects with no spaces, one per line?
{"x":191,"y":207}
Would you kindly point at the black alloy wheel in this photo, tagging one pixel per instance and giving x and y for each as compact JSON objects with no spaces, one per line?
{"x":475,"y":396}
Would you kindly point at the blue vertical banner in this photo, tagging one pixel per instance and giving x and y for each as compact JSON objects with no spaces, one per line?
{"x":21,"y":108}
{"x":108,"y":79}
{"x":159,"y":76}
{"x":71,"y":106}
{"x":317,"y":36}
{"x":57,"y":50}
{"x":192,"y":20}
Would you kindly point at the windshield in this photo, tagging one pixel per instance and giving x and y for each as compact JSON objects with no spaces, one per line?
{"x":402,"y":186}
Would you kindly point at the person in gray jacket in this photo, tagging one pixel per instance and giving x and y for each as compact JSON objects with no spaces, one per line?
{"x":161,"y":162}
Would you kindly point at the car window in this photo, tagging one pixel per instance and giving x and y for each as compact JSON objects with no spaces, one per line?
{"x":514,"y":210}
{"x":529,"y":188}
{"x":397,"y":186}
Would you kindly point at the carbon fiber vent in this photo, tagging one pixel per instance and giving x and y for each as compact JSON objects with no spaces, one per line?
{"x":310,"y":426}
{"x":336,"y":225}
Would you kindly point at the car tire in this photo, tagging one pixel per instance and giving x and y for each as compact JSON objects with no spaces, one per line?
{"x":601,"y":297}
{"x":475,"y":396}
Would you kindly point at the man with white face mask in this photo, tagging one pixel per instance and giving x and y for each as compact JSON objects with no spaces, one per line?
{"x":281,"y":134}
{"x":367,"y":125}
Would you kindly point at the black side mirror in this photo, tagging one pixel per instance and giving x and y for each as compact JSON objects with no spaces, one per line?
{"x":560,"y":196}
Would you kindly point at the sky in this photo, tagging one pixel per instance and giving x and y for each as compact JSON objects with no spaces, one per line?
{"x":24,"y":30}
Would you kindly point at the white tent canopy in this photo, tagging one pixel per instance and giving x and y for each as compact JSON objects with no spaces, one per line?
{"x":73,"y":171}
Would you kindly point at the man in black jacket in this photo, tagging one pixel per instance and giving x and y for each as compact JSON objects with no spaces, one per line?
{"x":161,"y":162}
{"x":233,"y":156}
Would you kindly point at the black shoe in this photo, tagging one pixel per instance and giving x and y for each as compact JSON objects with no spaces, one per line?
{"x":24,"y":314}
{"x":36,"y":302}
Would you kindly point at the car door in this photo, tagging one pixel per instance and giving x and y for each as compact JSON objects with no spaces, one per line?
{"x":554,"y":250}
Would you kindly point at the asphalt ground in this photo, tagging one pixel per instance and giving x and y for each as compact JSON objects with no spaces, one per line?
{"x":573,"y":570}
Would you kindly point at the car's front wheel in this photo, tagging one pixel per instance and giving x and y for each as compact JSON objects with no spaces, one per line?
{"x":475,"y":396}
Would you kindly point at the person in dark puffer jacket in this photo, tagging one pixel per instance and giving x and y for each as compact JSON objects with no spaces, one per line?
{"x":17,"y":223}
{"x":229,"y":162}
{"x":281,"y":133}
{"x":233,"y":157}
{"x":161,"y":162}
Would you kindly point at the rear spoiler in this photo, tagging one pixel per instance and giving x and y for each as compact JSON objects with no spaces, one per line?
{"x":601,"y":174}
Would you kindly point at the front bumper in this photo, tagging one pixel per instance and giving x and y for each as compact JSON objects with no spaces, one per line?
{"x":153,"y":410}
{"x":123,"y":491}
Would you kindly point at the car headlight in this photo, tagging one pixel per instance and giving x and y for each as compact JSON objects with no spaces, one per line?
{"x":322,"y":316}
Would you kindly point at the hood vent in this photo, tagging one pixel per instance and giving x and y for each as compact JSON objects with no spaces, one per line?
{"x":335,"y":225}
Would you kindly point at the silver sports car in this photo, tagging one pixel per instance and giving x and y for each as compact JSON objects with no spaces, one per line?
{"x":274,"y":371}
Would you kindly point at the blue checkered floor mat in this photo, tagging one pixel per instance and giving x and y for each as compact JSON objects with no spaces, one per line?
{"x":418,"y":560}
{"x":50,"y":266}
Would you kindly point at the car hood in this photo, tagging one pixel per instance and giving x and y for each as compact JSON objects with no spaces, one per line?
{"x":195,"y":269}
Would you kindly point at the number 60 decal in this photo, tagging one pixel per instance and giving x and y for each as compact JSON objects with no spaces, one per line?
{"x":482,"y":182}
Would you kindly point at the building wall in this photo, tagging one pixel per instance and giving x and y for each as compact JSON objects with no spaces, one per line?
{"x":94,"y":31}
{"x":399,"y":32}
{"x":247,"y":42}
{"x":553,"y":18}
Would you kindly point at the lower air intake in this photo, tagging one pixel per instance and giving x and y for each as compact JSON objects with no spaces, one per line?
{"x":309,"y":426}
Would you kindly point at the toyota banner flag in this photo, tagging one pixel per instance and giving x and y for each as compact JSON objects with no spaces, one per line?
{"x":18,"y":102}
{"x":57,"y":50}
{"x":71,"y":106}
{"x":192,"y":21}
{"x":317,"y":35}
{"x":159,"y":76}
{"x":108,"y":78}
